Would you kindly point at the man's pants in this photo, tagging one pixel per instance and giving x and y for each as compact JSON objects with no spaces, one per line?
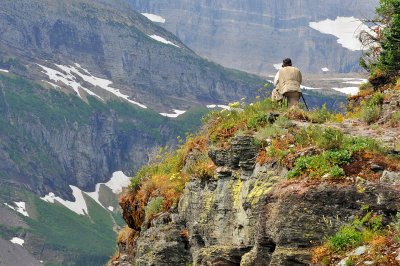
{"x":293,"y":98}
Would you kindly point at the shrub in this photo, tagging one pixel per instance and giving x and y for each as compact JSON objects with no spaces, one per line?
{"x":269,"y":132}
{"x":371,"y":110}
{"x":336,"y":172}
{"x":376,"y":99}
{"x":329,"y":138}
{"x":370,"y":114}
{"x":359,"y":231}
{"x":395,"y":119}
{"x":283,"y":122}
{"x":259,"y":120}
{"x":318,"y":165}
{"x":348,"y":236}
{"x":154,"y":206}
{"x":356,"y":144}
{"x":203,"y":167}
{"x":319,"y":116}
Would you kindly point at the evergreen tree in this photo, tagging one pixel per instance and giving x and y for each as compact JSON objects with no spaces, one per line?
{"x":389,"y":58}
{"x":383,"y":58}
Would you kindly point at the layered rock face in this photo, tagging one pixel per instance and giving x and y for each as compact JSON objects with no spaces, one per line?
{"x":249,"y":215}
{"x":254,"y":35}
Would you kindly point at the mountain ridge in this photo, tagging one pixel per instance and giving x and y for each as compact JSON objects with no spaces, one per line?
{"x":255,"y":35}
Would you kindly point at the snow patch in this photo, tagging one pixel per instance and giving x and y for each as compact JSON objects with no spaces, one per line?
{"x":354,"y":81}
{"x":309,"y":88}
{"x":325,"y":69}
{"x":70,"y":79}
{"x":100,"y":82}
{"x":277,"y":66}
{"x":212,"y":106}
{"x":21,"y":207}
{"x":175,"y":114}
{"x":4,"y":70}
{"x":348,"y":90}
{"x":346,"y":29}
{"x":161,"y":39}
{"x":110,"y":208}
{"x":117,"y":182}
{"x":17,"y":240}
{"x":154,"y":18}
{"x":78,"y":206}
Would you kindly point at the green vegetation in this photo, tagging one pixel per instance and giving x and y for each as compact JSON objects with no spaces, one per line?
{"x":10,"y":232}
{"x":383,"y":58}
{"x":78,"y":238}
{"x":370,"y":110}
{"x":389,"y":59}
{"x":154,"y":206}
{"x":367,"y":230}
{"x":336,"y":150}
{"x":360,"y":230}
{"x":395,"y":119}
{"x":326,"y":163}
{"x":63,"y":230}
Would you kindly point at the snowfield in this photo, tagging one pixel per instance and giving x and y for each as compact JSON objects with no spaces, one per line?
{"x":154,"y":18}
{"x":69,"y":78}
{"x":175,"y":113}
{"x":117,"y":182}
{"x":163,"y":40}
{"x":4,"y":70}
{"x":78,"y":206}
{"x":212,"y":106}
{"x":346,"y":29}
{"x":277,"y":66}
{"x":21,"y":207}
{"x":17,"y":240}
{"x":348,"y":90}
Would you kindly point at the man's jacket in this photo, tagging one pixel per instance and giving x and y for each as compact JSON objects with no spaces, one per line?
{"x":288,"y":79}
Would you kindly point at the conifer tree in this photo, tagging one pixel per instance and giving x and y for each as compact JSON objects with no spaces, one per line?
{"x":383,"y":58}
{"x":389,"y":58}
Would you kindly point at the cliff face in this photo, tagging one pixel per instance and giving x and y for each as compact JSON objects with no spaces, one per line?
{"x":254,"y":35}
{"x":249,"y":215}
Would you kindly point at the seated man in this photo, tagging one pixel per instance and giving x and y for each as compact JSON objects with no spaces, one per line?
{"x":287,"y":84}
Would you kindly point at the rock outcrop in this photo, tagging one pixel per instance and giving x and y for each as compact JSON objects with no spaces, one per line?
{"x":250,"y":214}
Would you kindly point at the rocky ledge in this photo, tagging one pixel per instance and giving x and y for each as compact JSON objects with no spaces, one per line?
{"x":251,"y":214}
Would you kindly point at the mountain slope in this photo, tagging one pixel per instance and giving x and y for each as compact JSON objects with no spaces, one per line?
{"x":112,"y":41}
{"x":255,"y":35}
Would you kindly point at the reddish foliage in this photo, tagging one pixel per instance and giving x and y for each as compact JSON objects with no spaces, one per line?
{"x":362,"y":162}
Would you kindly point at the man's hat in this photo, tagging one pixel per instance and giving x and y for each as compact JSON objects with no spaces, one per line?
{"x":287,"y":62}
